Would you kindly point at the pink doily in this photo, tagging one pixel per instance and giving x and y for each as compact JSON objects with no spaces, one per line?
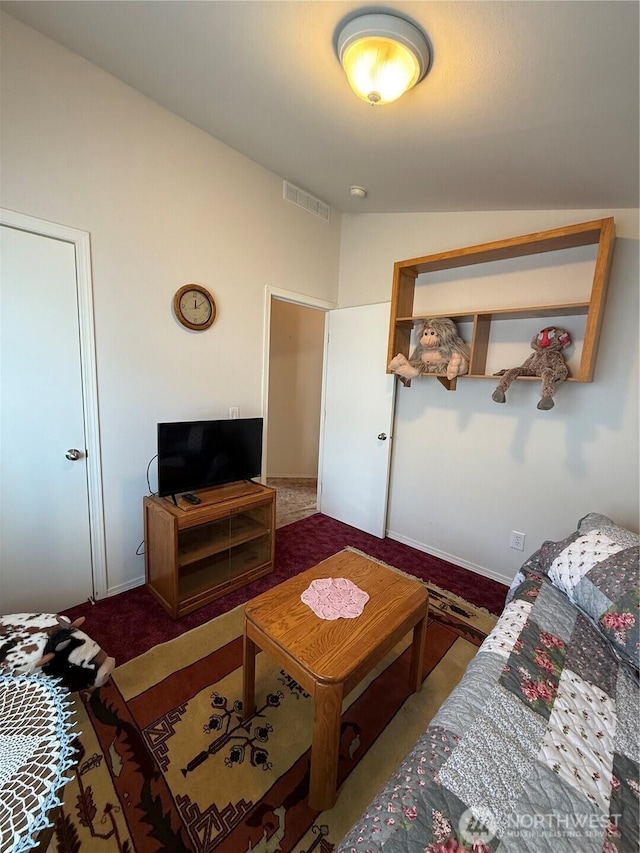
{"x":331,"y":598}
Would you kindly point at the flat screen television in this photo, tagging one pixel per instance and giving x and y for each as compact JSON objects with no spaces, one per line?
{"x":201,"y":454}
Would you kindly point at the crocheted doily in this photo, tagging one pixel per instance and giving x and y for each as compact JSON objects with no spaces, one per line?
{"x":331,"y":598}
{"x":35,"y":752}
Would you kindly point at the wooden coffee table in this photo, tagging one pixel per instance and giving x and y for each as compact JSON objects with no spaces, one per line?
{"x":329,"y":658}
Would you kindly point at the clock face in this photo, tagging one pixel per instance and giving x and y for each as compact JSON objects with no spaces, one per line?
{"x":194,"y":307}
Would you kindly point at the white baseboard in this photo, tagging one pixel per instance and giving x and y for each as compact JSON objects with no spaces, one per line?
{"x":457,"y":561}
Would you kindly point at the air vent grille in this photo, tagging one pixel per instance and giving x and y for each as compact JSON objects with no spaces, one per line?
{"x":307,"y":202}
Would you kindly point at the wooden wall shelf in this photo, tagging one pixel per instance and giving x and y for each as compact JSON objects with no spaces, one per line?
{"x":600,"y":232}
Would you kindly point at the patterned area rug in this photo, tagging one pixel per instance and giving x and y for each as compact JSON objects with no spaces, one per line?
{"x":166,"y":764}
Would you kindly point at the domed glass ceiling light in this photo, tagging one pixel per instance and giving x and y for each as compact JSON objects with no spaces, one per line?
{"x":383,"y":56}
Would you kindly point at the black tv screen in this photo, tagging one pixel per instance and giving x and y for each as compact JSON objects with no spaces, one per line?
{"x":200,"y":454}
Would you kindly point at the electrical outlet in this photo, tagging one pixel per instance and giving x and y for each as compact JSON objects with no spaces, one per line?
{"x":234,"y":413}
{"x":517,"y":540}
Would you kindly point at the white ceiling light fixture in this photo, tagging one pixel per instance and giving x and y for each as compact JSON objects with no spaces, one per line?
{"x":383,"y":56}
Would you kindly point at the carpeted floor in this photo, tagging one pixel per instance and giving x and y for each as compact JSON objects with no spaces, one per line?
{"x":128,"y":624}
{"x":165,"y":762}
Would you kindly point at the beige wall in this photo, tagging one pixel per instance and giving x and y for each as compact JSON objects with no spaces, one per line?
{"x":165,"y":205}
{"x":295,"y":389}
{"x":467,"y":471}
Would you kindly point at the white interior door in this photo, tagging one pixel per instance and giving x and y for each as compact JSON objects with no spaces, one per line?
{"x":45,"y":556}
{"x":358,"y":418}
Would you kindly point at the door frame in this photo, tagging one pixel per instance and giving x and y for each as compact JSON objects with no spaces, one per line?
{"x":81,"y":242}
{"x":305,"y":301}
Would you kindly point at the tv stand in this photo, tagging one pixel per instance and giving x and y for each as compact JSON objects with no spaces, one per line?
{"x":216,"y":494}
{"x":195,"y":553}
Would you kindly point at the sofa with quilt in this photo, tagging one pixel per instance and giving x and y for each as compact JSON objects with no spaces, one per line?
{"x":537,"y":749}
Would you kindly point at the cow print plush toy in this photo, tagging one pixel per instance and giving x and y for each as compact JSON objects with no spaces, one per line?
{"x":30,"y":641}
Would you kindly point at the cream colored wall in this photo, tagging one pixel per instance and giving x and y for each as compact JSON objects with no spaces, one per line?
{"x":165,"y":205}
{"x":295,"y":389}
{"x":467,"y":471}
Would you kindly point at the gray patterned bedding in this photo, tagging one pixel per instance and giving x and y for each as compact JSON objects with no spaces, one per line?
{"x":537,"y":749}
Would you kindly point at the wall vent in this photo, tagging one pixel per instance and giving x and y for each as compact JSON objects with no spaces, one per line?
{"x":307,"y":202}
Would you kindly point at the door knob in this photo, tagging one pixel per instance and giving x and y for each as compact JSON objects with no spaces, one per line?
{"x":73,"y":455}
{"x":382,"y":436}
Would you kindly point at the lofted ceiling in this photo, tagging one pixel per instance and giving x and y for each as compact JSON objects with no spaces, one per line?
{"x":526,"y":105}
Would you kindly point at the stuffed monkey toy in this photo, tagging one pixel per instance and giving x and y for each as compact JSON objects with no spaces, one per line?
{"x":440,"y":349}
{"x":547,"y":361}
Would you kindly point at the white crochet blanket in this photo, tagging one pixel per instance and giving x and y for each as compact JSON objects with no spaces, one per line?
{"x":35,"y":753}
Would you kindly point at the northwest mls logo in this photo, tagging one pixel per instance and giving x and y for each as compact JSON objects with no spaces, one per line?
{"x":477,"y":828}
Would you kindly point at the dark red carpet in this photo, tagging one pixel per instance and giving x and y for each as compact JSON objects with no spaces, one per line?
{"x":128,"y":624}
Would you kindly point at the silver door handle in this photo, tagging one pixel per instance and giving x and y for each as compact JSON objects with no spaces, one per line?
{"x":73,"y":455}
{"x":382,"y":436}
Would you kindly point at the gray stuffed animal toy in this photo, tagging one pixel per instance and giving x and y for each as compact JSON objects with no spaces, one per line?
{"x":440,"y":349}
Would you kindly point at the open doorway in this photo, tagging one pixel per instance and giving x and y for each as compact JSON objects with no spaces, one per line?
{"x":293,"y":403}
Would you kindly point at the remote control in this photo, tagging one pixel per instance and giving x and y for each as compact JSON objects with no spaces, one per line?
{"x":192,"y":499}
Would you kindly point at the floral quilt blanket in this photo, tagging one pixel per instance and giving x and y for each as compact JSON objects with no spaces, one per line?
{"x":535,"y":751}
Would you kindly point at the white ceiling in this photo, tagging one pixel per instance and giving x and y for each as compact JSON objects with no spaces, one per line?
{"x":527,"y":104}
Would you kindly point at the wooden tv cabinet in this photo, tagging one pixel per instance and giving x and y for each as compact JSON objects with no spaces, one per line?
{"x":197,"y":553}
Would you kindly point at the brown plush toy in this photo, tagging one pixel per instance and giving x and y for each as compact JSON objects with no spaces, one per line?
{"x":440,"y":349}
{"x":547,"y":361}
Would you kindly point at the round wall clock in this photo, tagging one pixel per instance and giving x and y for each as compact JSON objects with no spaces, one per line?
{"x":194,"y":307}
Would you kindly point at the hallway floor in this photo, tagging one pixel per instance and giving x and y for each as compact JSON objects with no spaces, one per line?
{"x":296,"y":498}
